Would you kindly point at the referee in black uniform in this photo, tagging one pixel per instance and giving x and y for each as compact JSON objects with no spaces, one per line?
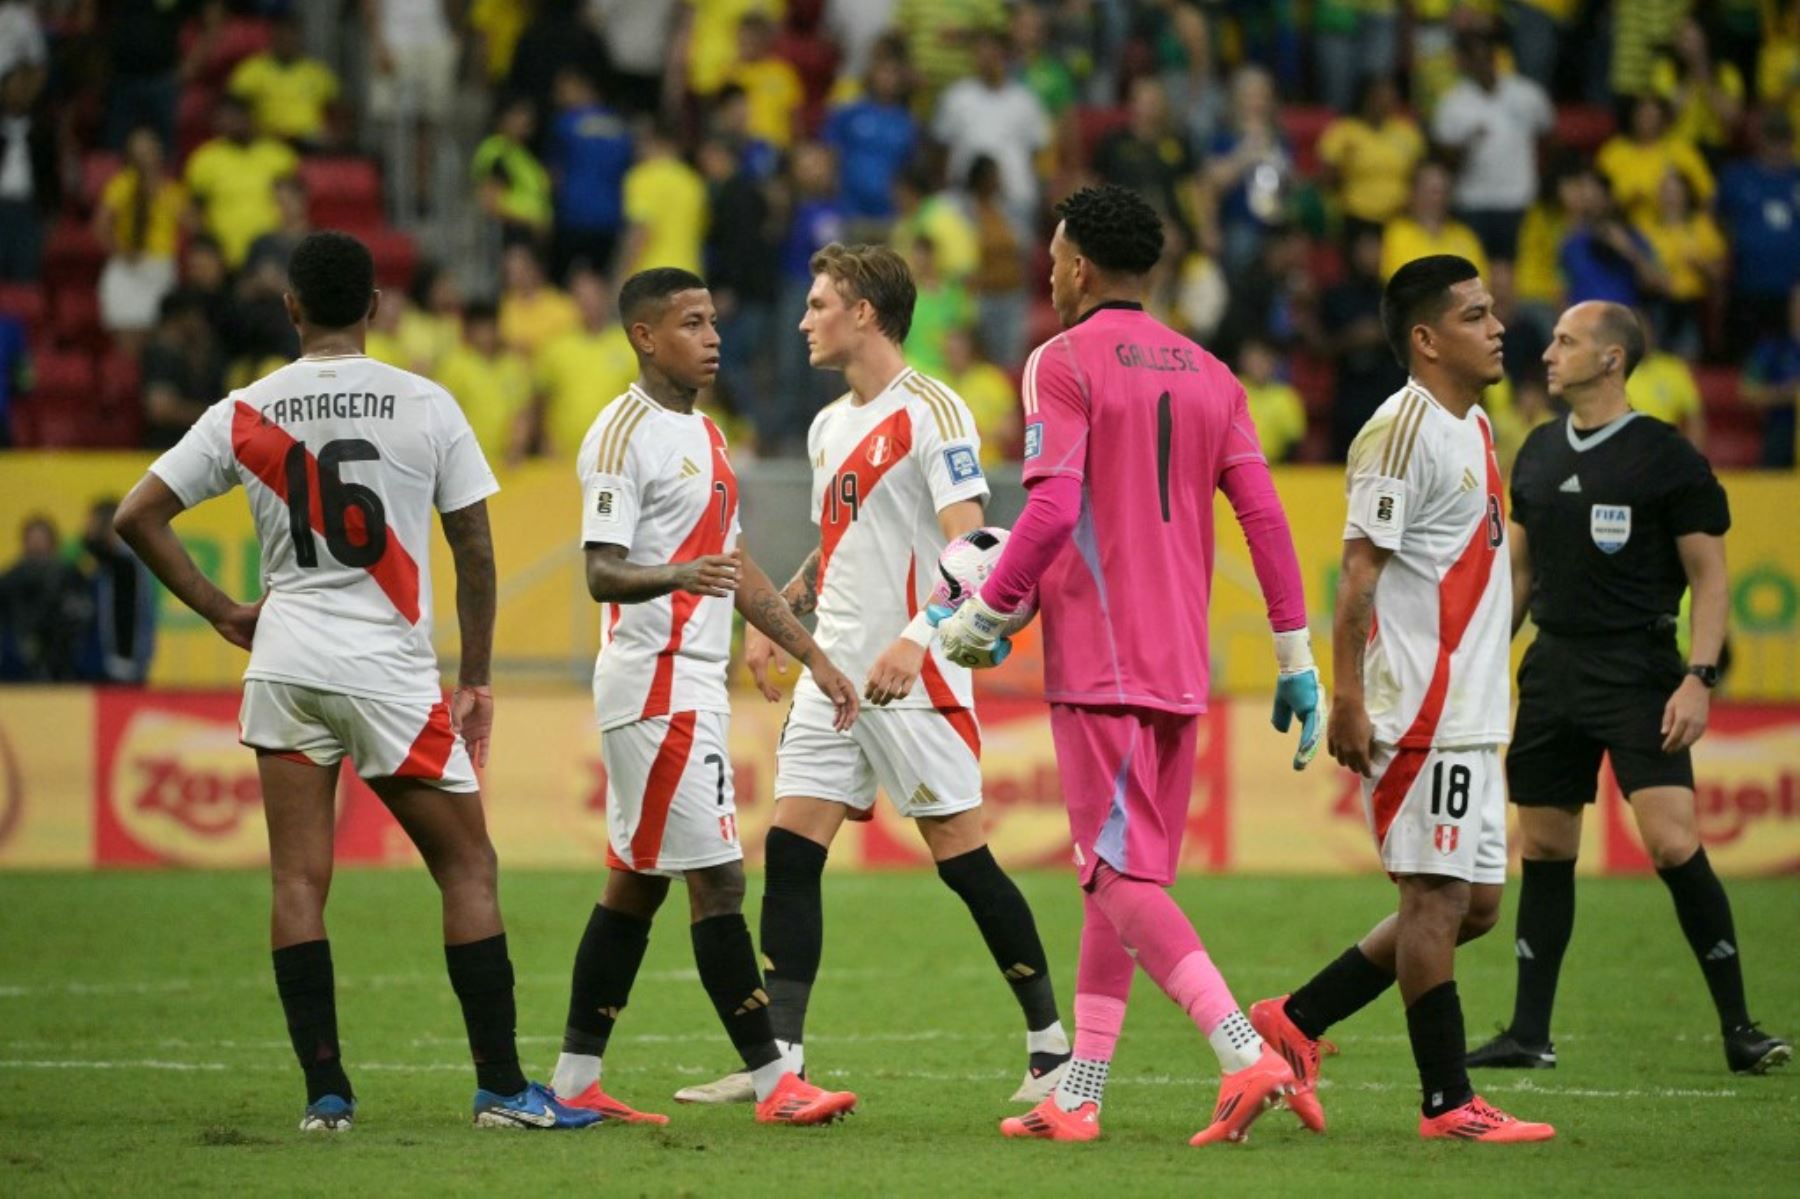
{"x":1614,"y":515}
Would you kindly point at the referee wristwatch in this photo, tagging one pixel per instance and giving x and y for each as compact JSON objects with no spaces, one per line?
{"x":1708,"y":675}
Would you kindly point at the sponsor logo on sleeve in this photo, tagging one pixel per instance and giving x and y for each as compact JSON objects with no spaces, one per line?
{"x":1390,"y":507}
{"x":962,"y":463}
{"x":606,"y":505}
{"x":1034,"y":439}
{"x":1610,"y":526}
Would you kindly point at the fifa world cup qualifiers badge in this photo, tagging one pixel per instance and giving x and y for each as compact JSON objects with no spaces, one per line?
{"x":1034,"y":439}
{"x":604,"y":506}
{"x":1390,"y":507}
{"x":962,"y":463}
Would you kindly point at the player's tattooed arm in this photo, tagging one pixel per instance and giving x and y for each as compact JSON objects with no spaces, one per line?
{"x":472,"y":550}
{"x":802,"y":591}
{"x":613,"y":580}
{"x":769,"y":611}
{"x":1349,"y":735}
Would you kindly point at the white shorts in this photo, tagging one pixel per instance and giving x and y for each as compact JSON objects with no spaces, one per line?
{"x":422,"y":84}
{"x":384,"y":738}
{"x":670,"y":806}
{"x":928,"y":762}
{"x":1439,"y":811}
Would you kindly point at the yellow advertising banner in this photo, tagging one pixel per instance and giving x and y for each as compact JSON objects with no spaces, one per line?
{"x":118,"y":777}
{"x":549,"y":629}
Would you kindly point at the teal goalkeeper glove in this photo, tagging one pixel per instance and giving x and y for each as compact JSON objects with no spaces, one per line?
{"x":971,"y":633}
{"x":1297,"y":693}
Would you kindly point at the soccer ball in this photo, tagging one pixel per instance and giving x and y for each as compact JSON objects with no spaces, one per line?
{"x":966,"y":564}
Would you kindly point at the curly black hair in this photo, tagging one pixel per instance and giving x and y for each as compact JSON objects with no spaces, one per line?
{"x":333,"y":277}
{"x":1114,"y":228}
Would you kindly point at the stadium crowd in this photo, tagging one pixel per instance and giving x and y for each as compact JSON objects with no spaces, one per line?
{"x":161,"y":157}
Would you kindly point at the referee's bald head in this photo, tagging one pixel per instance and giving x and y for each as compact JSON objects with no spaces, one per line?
{"x":1615,"y":325}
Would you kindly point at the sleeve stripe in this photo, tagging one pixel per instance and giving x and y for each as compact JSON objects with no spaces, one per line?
{"x":1399,"y":438}
{"x":1393,"y":435}
{"x":617,"y":438}
{"x":939,"y":411}
{"x":1423,"y":411}
{"x":951,"y":408}
{"x":1029,"y":390}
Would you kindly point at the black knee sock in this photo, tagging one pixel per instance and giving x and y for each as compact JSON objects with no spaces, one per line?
{"x":482,"y":976}
{"x":1705,"y":916}
{"x":1349,"y":984}
{"x":308,"y":989}
{"x":1435,"y":1024}
{"x":1007,"y":926}
{"x":606,"y":964}
{"x":727,"y":964}
{"x":1546,"y":920}
{"x":793,"y":927}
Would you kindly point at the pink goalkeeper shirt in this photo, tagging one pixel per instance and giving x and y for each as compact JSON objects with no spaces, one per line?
{"x":1150,"y":425}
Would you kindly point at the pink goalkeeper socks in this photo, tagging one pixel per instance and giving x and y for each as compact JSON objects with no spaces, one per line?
{"x":1102,"y":985}
{"x":1153,"y":926}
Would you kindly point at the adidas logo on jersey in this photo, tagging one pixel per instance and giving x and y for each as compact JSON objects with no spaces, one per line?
{"x":688,"y":469}
{"x":1571,"y":484}
{"x":1469,"y":481}
{"x":924,"y":796}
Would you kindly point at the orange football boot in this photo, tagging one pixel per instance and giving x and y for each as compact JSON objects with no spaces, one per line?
{"x":1479,"y":1120}
{"x":595,"y":1100}
{"x":796,"y":1101}
{"x":1048,"y":1122}
{"x":1244,"y":1095}
{"x":1270,"y":1019}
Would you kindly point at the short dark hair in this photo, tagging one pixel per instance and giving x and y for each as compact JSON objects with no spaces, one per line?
{"x":651,"y":289}
{"x":1418,"y":294}
{"x":875,"y":274}
{"x":1619,"y":326}
{"x":1114,"y":228}
{"x":333,"y":277}
{"x":480,"y":311}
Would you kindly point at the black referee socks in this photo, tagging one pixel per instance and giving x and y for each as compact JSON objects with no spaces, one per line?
{"x":1705,"y":916}
{"x":1007,"y":926}
{"x":481,"y":974}
{"x":1435,"y":1024}
{"x":606,"y":964}
{"x":727,"y":964}
{"x":1546,"y":922}
{"x":793,"y":927}
{"x":1348,"y":985}
{"x":308,"y":989}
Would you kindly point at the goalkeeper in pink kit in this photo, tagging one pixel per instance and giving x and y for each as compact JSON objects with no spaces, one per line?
{"x":1129,"y":430}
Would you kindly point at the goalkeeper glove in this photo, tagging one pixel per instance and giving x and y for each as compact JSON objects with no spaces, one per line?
{"x":971,"y":634}
{"x":1297,"y":692}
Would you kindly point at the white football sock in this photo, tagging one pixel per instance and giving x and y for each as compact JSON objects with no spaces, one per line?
{"x":1085,"y":1082}
{"x":1047,"y":1040}
{"x":1235,"y":1043}
{"x":766,"y":1078}
{"x":575,"y":1073}
{"x":793,"y":1054}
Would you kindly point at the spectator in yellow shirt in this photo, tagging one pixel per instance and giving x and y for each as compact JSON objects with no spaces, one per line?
{"x":710,"y":31}
{"x":1692,"y":252}
{"x":492,"y":384}
{"x":580,"y":372}
{"x":231,"y":180}
{"x":138,"y":221}
{"x":665,"y":205}
{"x":383,"y":342}
{"x":1635,"y":162}
{"x":532,"y":312}
{"x":1706,"y":93}
{"x":988,"y":391}
{"x":1275,"y":407}
{"x":1663,"y":386}
{"x":1426,"y":227}
{"x":771,"y":84}
{"x":289,"y":94}
{"x":431,"y":326}
{"x":1778,"y":64}
{"x":1369,"y":155}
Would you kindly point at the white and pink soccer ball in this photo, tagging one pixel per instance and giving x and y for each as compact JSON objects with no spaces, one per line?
{"x":966,"y":564}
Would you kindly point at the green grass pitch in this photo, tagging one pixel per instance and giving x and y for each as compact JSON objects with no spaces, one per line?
{"x":142,"y":1050}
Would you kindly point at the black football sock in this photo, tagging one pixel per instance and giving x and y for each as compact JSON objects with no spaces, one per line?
{"x":1546,"y":921}
{"x":482,"y":976}
{"x":793,"y":927}
{"x":1435,"y":1024}
{"x":1007,"y":926}
{"x":308,"y":989}
{"x":1344,"y":987}
{"x":606,"y":965}
{"x":1705,"y":916}
{"x":727,"y":964}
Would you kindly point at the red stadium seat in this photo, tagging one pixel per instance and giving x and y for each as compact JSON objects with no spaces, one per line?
{"x":1092,"y":124}
{"x":1316,"y":381}
{"x":193,"y":118}
{"x":72,"y":255}
{"x":75,"y":318}
{"x":236,"y":39}
{"x":59,"y":375}
{"x":1718,"y":389}
{"x":342,"y":193}
{"x":121,"y":400}
{"x":25,"y":302}
{"x":97,"y":169}
{"x":1302,"y":124}
{"x":396,"y":257}
{"x":1583,"y":127}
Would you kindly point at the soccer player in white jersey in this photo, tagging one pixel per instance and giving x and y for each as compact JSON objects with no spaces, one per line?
{"x":1421,"y":703}
{"x":659,"y":528}
{"x":896,"y":475}
{"x":343,"y":460}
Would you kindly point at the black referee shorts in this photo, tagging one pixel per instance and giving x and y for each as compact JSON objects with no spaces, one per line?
{"x":1582,"y":697}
